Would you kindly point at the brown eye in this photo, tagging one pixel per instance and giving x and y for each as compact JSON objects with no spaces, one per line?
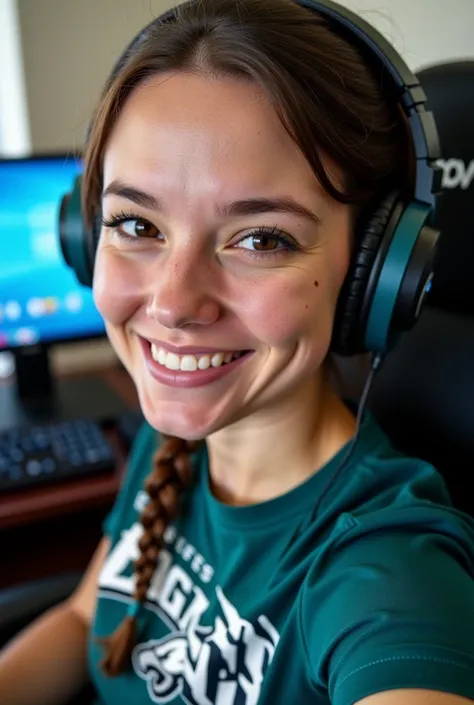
{"x":264,"y":243}
{"x":138,"y":228}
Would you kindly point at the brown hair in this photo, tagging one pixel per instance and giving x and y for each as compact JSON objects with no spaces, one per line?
{"x":171,"y":475}
{"x":329,"y":98}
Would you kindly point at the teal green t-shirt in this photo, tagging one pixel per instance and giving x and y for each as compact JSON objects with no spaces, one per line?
{"x":295,"y":600}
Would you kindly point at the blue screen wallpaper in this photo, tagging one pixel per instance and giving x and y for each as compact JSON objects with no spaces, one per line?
{"x":40,"y":299}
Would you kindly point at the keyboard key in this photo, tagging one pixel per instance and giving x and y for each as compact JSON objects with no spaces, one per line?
{"x":33,"y":467}
{"x":40,"y":454}
{"x":48,"y":465}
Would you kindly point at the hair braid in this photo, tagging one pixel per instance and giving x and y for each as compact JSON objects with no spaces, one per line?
{"x":171,"y":475}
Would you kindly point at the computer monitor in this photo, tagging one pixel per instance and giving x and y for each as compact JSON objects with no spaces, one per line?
{"x":41,"y":302}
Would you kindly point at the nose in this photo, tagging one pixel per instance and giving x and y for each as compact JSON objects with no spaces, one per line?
{"x":184,"y":293}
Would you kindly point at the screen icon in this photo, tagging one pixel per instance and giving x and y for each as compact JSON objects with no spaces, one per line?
{"x":73,"y":302}
{"x":26,"y":336}
{"x":51,"y":304}
{"x":35,"y":308}
{"x":12,"y":310}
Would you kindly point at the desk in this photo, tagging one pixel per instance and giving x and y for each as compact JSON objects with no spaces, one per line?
{"x":57,"y":527}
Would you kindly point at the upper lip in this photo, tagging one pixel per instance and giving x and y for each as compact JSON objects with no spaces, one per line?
{"x":187,"y":349}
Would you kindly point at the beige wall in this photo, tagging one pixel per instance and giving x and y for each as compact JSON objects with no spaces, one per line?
{"x":69,"y":48}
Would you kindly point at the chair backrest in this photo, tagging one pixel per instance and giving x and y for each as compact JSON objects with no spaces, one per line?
{"x":450,"y":92}
{"x":424,"y":394}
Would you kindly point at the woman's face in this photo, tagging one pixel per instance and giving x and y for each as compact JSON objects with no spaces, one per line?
{"x":219,"y":240}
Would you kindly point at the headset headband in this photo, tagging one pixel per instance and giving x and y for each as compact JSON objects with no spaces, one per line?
{"x":411,"y":95}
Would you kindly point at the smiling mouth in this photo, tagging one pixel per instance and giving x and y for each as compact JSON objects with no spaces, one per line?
{"x":199,"y":363}
{"x":190,"y":370}
{"x":192,"y":363}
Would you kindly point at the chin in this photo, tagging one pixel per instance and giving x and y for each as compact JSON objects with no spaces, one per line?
{"x":179,"y":422}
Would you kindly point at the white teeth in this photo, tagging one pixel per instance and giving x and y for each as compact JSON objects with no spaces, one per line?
{"x":191,"y":363}
{"x":161,"y":355}
{"x":172,"y":361}
{"x":188,"y":363}
{"x":204,"y":362}
{"x":217,"y":359}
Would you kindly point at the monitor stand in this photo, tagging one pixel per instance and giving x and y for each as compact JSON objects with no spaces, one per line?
{"x":37,"y":397}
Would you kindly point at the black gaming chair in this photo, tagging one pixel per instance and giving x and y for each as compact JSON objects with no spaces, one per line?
{"x":424,"y":394}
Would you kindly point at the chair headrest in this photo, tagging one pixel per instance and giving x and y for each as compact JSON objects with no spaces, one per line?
{"x":449,"y":89}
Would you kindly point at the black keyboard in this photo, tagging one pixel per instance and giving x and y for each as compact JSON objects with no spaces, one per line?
{"x":34,"y":455}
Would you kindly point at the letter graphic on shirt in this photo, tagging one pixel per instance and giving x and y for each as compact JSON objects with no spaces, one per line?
{"x":195,"y":610}
{"x":219,"y":664}
{"x":120,"y":558}
{"x":165,"y":559}
{"x":175,"y":591}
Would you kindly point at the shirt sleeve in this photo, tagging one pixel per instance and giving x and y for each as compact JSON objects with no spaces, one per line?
{"x":388,"y":609}
{"x":138,"y":466}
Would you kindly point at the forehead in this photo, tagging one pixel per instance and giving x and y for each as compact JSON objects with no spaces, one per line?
{"x":190,"y":128}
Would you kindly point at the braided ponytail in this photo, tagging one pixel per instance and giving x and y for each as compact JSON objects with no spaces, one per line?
{"x":171,"y":475}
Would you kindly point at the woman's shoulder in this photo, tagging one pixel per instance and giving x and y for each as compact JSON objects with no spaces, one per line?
{"x":390,"y":598}
{"x":385,"y":492}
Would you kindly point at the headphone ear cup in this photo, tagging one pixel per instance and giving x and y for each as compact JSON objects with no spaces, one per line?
{"x":354,"y":300}
{"x":76,"y":239}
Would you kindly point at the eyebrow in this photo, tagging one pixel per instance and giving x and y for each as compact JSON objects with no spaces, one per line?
{"x":254,"y":206}
{"x":140,"y":198}
{"x":248,"y":206}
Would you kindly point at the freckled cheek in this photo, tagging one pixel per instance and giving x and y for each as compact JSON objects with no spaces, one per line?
{"x":281,"y":314}
{"x":118,"y":288}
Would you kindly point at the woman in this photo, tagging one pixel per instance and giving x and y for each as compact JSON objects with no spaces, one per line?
{"x":232,"y":162}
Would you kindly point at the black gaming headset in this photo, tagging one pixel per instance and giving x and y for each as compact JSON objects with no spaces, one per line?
{"x":392,"y":266}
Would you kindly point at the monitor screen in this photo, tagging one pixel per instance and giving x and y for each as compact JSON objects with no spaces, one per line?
{"x":40,"y":299}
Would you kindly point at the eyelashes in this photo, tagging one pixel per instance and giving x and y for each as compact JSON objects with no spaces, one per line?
{"x":122,"y":218}
{"x":144,"y":230}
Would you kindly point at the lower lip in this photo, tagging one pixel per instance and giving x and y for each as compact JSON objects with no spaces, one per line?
{"x":178,"y":378}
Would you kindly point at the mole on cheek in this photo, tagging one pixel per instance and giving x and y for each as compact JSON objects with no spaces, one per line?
{"x":316,"y":283}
